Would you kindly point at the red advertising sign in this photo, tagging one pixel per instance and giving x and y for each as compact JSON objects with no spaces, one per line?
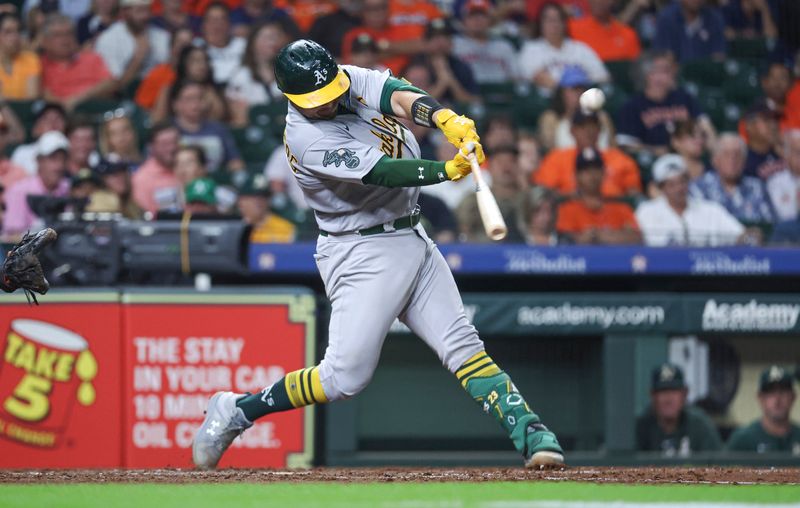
{"x":182,"y":348}
{"x":60,"y":382}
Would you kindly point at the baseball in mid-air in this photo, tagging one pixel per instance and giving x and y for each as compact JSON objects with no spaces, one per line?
{"x":592,"y":99}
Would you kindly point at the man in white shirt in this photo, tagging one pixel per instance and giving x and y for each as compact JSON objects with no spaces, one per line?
{"x":674,"y":218}
{"x":224,"y":50}
{"x":784,"y":186}
{"x":131,"y":47}
{"x":491,"y":59}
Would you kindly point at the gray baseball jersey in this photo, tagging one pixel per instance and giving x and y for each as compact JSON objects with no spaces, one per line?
{"x":330,"y":157}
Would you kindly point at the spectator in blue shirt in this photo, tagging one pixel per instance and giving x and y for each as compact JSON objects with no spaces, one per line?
{"x":691,"y":30}
{"x":745,"y":197}
{"x":748,"y":19}
{"x":191,"y":119}
{"x":763,"y":137}
{"x":645,"y":121}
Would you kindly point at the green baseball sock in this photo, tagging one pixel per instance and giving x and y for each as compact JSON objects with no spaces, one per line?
{"x":493,"y":390}
{"x":297,"y":389}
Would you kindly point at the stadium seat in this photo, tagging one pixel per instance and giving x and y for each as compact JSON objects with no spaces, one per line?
{"x":713,"y":103}
{"x":255,"y":143}
{"x":528,"y":108}
{"x":24,"y":110}
{"x":615,"y":97}
{"x":704,"y":72}
{"x":741,"y":84}
{"x":751,"y":49}
{"x":622,"y":74}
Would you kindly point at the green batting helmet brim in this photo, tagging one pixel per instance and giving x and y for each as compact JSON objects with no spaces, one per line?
{"x":322,"y":96}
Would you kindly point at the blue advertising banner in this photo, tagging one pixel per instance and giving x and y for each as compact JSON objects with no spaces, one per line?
{"x":520,"y":259}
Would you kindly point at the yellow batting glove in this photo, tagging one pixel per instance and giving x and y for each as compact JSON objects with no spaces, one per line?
{"x":473,"y":144}
{"x":458,"y":129}
{"x":458,"y":167}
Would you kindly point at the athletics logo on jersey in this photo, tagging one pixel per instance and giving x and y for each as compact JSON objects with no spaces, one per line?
{"x":336,"y":157}
{"x":321,"y":76}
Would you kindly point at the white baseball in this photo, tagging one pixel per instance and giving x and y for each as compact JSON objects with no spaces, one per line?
{"x":592,"y":99}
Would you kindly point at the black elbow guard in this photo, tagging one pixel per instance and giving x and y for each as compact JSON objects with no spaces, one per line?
{"x":422,"y":110}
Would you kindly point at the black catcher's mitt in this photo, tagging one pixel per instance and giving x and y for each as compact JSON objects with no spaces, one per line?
{"x":22,"y":269}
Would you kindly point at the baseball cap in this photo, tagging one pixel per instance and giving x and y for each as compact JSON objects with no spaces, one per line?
{"x":588,"y":158}
{"x":774,"y":377}
{"x":201,"y":190}
{"x":761,"y":107}
{"x":574,"y":76}
{"x":668,"y":166}
{"x":364,"y":42}
{"x":667,"y":376}
{"x":110,"y":166}
{"x":473,"y":6}
{"x":50,"y":142}
{"x":82,"y":176}
{"x":439,"y":26}
{"x":255,"y":185}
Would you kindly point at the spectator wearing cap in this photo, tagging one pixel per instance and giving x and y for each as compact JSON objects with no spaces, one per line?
{"x":84,"y":185}
{"x":508,"y":186}
{"x":255,"y":12}
{"x":51,"y":157}
{"x":555,"y":123}
{"x":82,"y":145}
{"x":191,"y":118}
{"x":784,"y":186}
{"x":21,"y":70}
{"x":363,"y":52}
{"x":155,"y":186}
{"x":539,"y":214}
{"x":645,"y":121}
{"x":763,"y":137}
{"x":453,"y":80}
{"x":691,"y":30}
{"x":774,"y":431}
{"x":71,"y":75}
{"x":254,"y":207}
{"x":115,"y":176}
{"x":745,"y":197}
{"x":329,"y":30}
{"x":605,"y":34}
{"x":543,"y":60}
{"x":254,"y":81}
{"x":557,"y":170}
{"x":224,"y":49}
{"x":50,"y":116}
{"x":131,"y":47}
{"x":676,"y":218}
{"x":670,"y":425}
{"x":589,"y":218}
{"x":493,"y":60}
{"x":747,"y":19}
{"x":686,"y":140}
{"x":396,"y":43}
{"x":201,"y":198}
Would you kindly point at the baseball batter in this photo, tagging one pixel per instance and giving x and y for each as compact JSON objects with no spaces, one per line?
{"x":360,"y":171}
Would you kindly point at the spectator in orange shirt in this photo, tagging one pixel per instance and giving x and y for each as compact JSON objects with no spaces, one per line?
{"x":589,"y":218}
{"x":163,"y":74}
{"x":412,"y":15}
{"x":607,"y":36}
{"x":395,"y":42}
{"x":305,"y":12}
{"x":557,"y":171}
{"x":71,"y":75}
{"x":21,"y":71}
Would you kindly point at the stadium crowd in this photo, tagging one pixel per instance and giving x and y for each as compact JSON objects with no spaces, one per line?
{"x":164,"y":108}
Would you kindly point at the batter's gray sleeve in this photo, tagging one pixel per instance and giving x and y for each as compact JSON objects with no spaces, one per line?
{"x":366,"y":84}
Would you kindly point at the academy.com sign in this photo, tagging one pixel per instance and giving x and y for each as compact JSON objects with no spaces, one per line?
{"x":605,"y":317}
{"x":755,"y":316}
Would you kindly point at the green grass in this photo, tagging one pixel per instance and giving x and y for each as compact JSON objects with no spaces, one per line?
{"x":388,"y":495}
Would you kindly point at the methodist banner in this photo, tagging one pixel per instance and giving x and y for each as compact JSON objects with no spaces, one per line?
{"x":60,"y":381}
{"x":181,"y":348}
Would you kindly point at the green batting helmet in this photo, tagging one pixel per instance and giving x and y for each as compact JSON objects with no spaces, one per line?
{"x":307,"y":74}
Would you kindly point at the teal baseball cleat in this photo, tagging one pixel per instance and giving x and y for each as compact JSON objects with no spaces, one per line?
{"x":541,"y":447}
{"x":224,"y":422}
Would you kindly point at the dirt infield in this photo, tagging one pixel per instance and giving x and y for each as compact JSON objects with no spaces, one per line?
{"x":358,"y":475}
